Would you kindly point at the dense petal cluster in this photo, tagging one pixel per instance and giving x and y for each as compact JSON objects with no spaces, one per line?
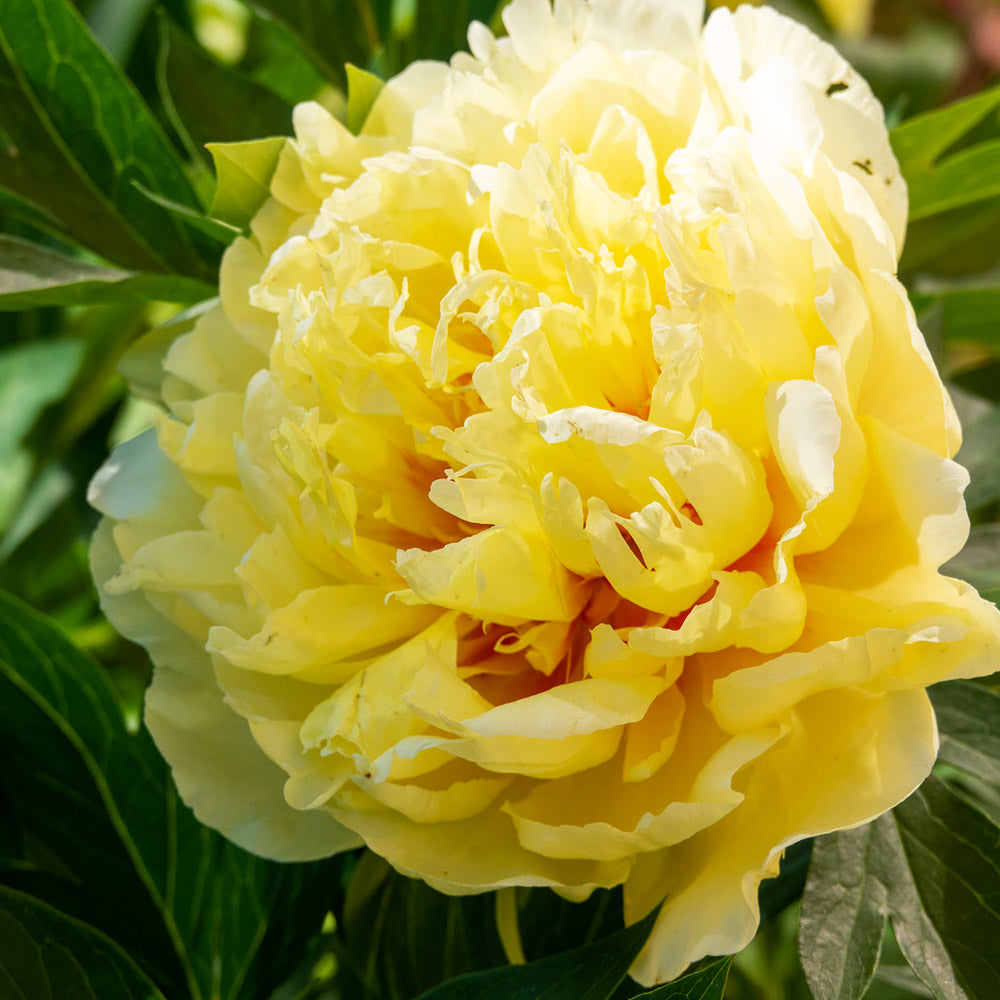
{"x":557,"y":492}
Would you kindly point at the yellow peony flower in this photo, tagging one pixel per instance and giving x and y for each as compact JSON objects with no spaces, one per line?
{"x":556,"y":495}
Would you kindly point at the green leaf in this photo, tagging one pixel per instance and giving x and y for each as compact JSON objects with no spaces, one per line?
{"x":706,"y":984}
{"x":550,"y":924}
{"x":920,"y":140}
{"x":32,"y":276}
{"x":32,"y":376}
{"x":77,"y":135}
{"x":946,"y":913}
{"x":776,"y":894}
{"x":938,"y":183}
{"x":243,"y":171}
{"x":843,"y":916}
{"x":969,"y":721}
{"x":46,"y":955}
{"x":200,"y":916}
{"x":274,"y":59}
{"x":933,"y":864}
{"x":589,"y":973}
{"x":362,"y":89}
{"x":332,"y":32}
{"x":959,"y":242}
{"x":215,"y":229}
{"x":399,"y":937}
{"x":215,"y":102}
{"x":969,"y":176}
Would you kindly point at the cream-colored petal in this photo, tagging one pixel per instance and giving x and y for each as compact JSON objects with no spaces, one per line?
{"x":219,"y":770}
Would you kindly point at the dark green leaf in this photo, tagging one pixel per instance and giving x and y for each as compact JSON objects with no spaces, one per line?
{"x":932,"y":865}
{"x":22,"y":210}
{"x":32,"y":276}
{"x":843,"y":916}
{"x":959,"y":242}
{"x":550,"y":924}
{"x":775,"y":894}
{"x":706,"y":984}
{"x":243,"y":171}
{"x":215,"y":229}
{"x":399,"y":937}
{"x":215,"y":102}
{"x":969,"y":721}
{"x":46,"y":955}
{"x":117,"y":25}
{"x":332,"y":32}
{"x":193,"y":910}
{"x":77,"y":136}
{"x":946,"y":906}
{"x":589,"y":973}
{"x":275,"y":60}
{"x":983,"y":380}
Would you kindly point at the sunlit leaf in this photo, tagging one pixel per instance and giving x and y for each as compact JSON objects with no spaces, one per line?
{"x":243,"y":171}
{"x":362,"y":89}
{"x":920,"y":140}
{"x":972,"y":175}
{"x":937,"y":182}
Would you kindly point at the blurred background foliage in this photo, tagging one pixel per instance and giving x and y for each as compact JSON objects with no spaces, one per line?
{"x":105,"y":189}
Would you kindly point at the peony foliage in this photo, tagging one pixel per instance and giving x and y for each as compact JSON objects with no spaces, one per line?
{"x":544,"y":518}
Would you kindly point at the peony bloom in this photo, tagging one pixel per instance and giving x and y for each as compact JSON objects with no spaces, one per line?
{"x":556,"y":494}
